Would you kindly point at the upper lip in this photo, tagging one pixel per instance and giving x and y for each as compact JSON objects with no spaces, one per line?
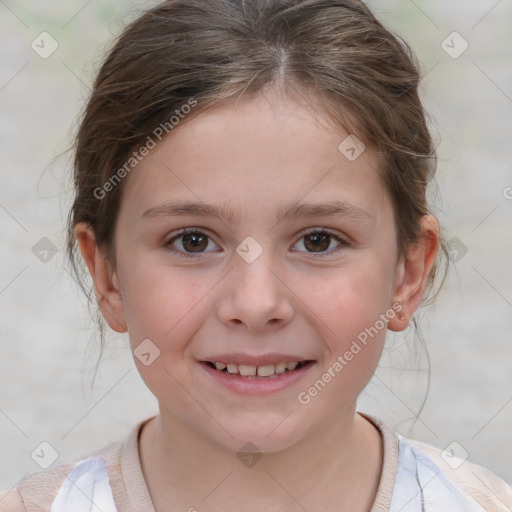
{"x":252,"y":360}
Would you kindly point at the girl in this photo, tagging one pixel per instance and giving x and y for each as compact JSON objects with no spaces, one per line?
{"x":251,"y":205}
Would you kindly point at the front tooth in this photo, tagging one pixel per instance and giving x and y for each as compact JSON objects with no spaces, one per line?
{"x":220,"y":366}
{"x":245,"y":369}
{"x":280,"y":367}
{"x":232,"y":368}
{"x":292,"y":365}
{"x":266,"y":371}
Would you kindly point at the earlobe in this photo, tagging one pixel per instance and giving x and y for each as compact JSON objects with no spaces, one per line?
{"x":414,"y":271}
{"x":106,"y":285}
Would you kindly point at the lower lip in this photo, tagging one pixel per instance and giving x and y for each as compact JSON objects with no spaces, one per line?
{"x":257,"y":385}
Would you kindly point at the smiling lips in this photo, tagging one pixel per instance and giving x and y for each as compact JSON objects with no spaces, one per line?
{"x":247,"y":370}
{"x":256,"y":374}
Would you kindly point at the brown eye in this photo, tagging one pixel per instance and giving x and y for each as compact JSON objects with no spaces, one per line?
{"x":188,"y":242}
{"x":194,"y":242}
{"x":318,"y":242}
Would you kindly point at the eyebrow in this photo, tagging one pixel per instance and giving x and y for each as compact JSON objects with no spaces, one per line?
{"x":336,"y":208}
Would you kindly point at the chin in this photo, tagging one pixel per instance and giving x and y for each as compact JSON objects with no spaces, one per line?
{"x":266,"y":437}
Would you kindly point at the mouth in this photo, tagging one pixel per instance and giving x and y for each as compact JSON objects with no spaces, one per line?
{"x":263,"y":372}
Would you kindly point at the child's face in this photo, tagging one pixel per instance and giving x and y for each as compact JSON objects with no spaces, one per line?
{"x":288,"y":303}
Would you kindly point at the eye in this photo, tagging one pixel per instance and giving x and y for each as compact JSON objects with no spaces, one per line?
{"x":191,"y":241}
{"x":318,"y":240}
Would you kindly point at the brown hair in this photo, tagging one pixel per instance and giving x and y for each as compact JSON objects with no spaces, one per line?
{"x":362,"y":76}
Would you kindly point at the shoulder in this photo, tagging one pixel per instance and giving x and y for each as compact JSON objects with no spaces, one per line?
{"x":416,"y":474}
{"x":37,"y":491}
{"x":11,"y":502}
{"x":481,"y":484}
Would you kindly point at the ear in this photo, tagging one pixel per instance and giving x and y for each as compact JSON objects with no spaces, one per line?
{"x":412,"y":274}
{"x":104,"y":278}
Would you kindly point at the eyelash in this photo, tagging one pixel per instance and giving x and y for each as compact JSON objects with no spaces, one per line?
{"x":188,"y":231}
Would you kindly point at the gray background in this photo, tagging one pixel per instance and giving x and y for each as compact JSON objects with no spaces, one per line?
{"x":48,"y":349}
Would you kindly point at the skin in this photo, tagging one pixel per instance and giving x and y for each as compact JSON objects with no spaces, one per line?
{"x":256,"y":156}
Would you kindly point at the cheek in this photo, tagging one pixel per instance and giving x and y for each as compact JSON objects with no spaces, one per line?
{"x":350,"y":304}
{"x":354,"y":334}
{"x":163,"y":309}
{"x":349,"y":298}
{"x":161,"y":304}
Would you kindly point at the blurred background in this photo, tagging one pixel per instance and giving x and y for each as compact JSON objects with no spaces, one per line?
{"x":49,"y":346}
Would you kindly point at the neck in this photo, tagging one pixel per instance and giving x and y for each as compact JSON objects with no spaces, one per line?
{"x":337,"y":468}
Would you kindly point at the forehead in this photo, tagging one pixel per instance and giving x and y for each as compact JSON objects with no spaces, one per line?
{"x":257,"y":157}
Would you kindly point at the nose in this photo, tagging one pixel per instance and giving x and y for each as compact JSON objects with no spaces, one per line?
{"x":256,"y":295}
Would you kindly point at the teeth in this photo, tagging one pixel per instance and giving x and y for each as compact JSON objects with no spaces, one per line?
{"x":266,"y":371}
{"x":280,"y":367}
{"x":247,"y":370}
{"x":232,"y":368}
